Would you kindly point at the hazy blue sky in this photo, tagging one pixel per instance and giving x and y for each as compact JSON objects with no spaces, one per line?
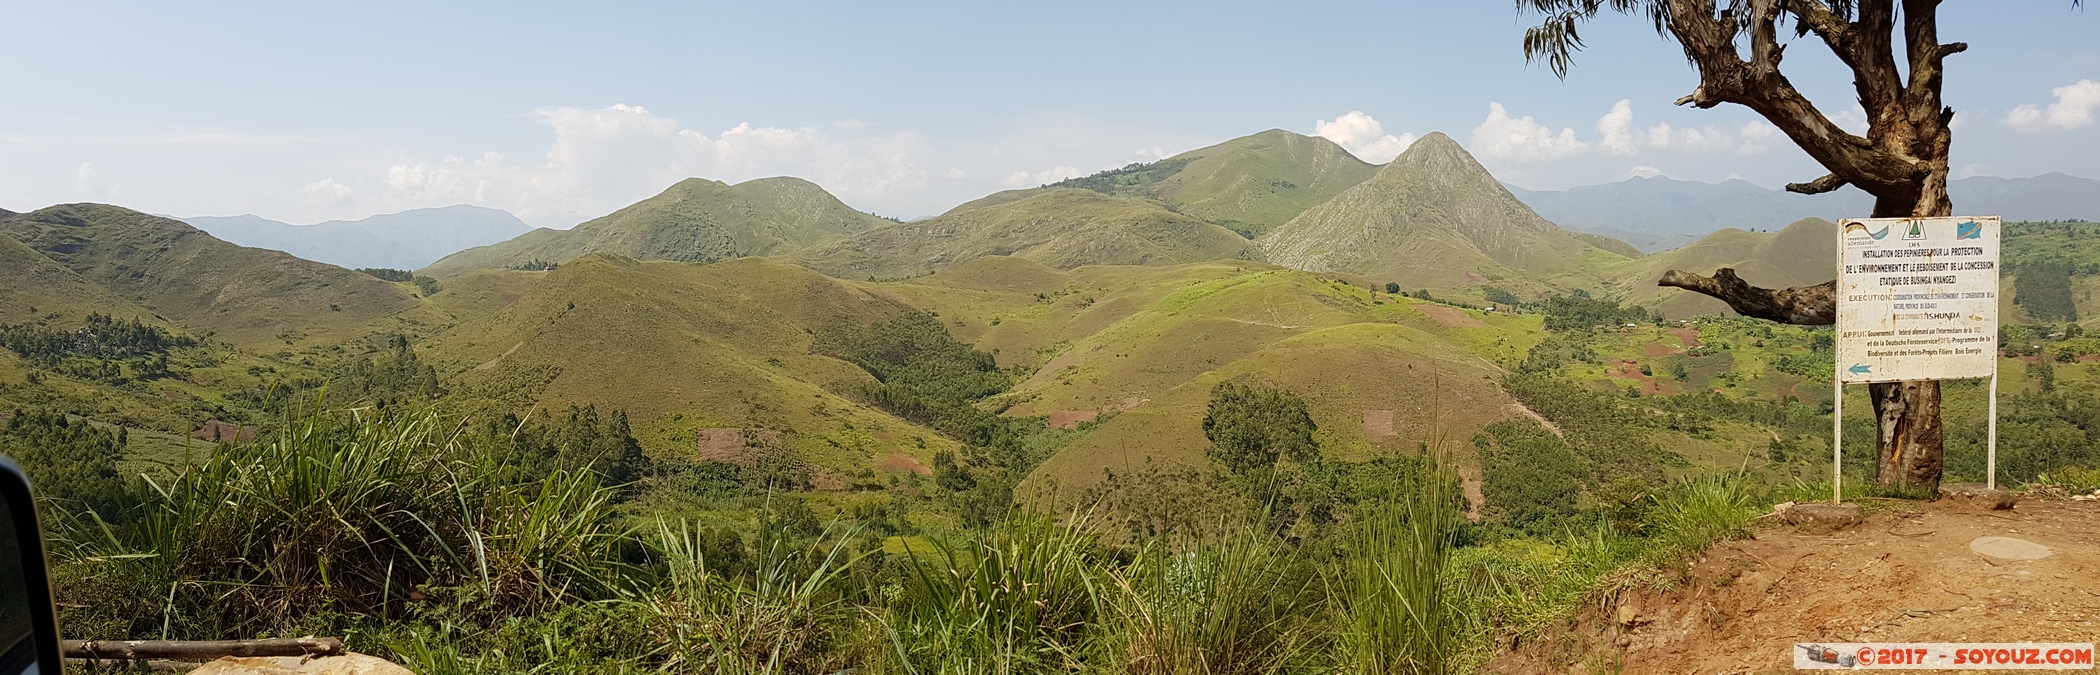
{"x":305,"y":111}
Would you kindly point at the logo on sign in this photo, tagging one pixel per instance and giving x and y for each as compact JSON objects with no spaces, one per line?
{"x":1855,"y":230}
{"x":1916,"y":231}
{"x":1969,"y":230}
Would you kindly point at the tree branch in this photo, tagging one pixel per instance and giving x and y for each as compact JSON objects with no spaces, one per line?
{"x":1818,"y":186}
{"x":1804,"y":305}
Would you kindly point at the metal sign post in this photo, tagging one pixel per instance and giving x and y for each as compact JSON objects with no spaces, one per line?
{"x":1917,"y":299}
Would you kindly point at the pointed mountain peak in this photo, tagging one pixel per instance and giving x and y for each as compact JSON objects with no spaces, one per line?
{"x":1436,"y":152}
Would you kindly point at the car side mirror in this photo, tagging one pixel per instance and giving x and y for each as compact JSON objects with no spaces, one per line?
{"x":28,"y":619}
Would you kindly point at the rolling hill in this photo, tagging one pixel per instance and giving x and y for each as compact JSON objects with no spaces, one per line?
{"x":210,"y":287}
{"x":1802,"y":254}
{"x":38,"y":289}
{"x":696,"y":221}
{"x":682,"y":347}
{"x":1061,"y":228}
{"x":1249,"y":184}
{"x":1434,"y":218}
{"x":407,"y":240}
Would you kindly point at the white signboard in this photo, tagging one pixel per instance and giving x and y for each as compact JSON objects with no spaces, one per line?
{"x":1917,"y":299}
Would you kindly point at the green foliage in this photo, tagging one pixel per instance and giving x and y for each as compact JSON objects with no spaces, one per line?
{"x":579,"y":441}
{"x":1131,"y":176}
{"x":1392,"y":288}
{"x":2043,"y":288}
{"x":1251,"y":426}
{"x":73,"y":463}
{"x":1529,"y":476}
{"x":1577,"y":311}
{"x":102,"y":338}
{"x":386,"y":274}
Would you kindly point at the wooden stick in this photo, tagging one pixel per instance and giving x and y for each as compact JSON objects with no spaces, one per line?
{"x":153,"y":666}
{"x":135,"y":650}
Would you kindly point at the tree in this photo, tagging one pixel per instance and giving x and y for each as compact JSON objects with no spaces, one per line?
{"x":1250,"y":427}
{"x":1901,"y":161}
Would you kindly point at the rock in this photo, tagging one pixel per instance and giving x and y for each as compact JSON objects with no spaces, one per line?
{"x":2008,"y":548}
{"x":1821,"y":517}
{"x":347,"y":664}
{"x":1977,"y":495}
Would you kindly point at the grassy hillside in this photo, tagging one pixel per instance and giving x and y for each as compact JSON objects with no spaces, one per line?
{"x":682,"y":347}
{"x":1147,"y":373}
{"x":246,"y":296}
{"x":1434,"y":218}
{"x":38,"y":289}
{"x":1061,"y":228}
{"x":697,"y":221}
{"x":1802,"y":254}
{"x":1249,"y":185}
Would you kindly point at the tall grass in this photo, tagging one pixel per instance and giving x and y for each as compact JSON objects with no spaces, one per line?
{"x":1241,"y":604}
{"x":351,"y":514}
{"x":1399,"y":613}
{"x":1023,"y":597}
{"x":785,"y":618}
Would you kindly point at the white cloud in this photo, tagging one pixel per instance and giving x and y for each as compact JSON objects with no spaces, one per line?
{"x":2073,"y":109}
{"x":1759,"y":136}
{"x":1151,"y":154}
{"x":326,"y":190}
{"x":1522,"y":139}
{"x":87,"y":182}
{"x":1363,"y":136}
{"x":1644,"y":171}
{"x":1971,"y":170}
{"x":1961,"y":119}
{"x":1615,"y":129}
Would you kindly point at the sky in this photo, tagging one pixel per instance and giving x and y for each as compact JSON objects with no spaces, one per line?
{"x":561,"y":112}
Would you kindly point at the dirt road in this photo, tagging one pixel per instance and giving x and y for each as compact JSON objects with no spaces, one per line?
{"x":1908,"y":574}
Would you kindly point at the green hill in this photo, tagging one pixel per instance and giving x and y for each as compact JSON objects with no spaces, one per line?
{"x":1355,"y":358}
{"x":1801,"y":254}
{"x":683,"y":347}
{"x":242,"y":295}
{"x":1434,"y":218}
{"x":1060,"y":228}
{"x":697,"y":221}
{"x":1249,"y":184}
{"x":38,"y":289}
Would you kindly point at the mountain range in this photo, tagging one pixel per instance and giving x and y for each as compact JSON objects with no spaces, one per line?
{"x":407,"y":240}
{"x":1658,"y":213}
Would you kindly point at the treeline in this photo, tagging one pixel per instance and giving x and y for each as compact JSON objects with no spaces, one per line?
{"x":925,"y":375}
{"x":1133,"y":175}
{"x":103,"y":337}
{"x":427,"y":285}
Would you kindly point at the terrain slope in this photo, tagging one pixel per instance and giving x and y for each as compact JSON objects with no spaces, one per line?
{"x":1907,"y":575}
{"x":1435,"y":219}
{"x":1249,"y":184}
{"x":1062,"y":228}
{"x":682,"y":347}
{"x":246,"y":296}
{"x":696,"y":221}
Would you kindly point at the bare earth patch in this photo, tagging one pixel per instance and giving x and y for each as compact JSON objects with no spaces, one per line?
{"x":1071,"y":419}
{"x":1909,"y":575}
{"x":1450,"y":317}
{"x":899,"y":462}
{"x":1378,"y":425}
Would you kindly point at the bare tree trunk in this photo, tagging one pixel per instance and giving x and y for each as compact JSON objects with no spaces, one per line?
{"x":1909,"y":439}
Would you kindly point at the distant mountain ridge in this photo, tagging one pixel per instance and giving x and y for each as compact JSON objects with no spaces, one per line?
{"x":695,"y":221}
{"x":1659,"y":213}
{"x":407,"y":240}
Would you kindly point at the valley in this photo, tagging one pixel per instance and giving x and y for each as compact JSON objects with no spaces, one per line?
{"x":727,"y":381}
